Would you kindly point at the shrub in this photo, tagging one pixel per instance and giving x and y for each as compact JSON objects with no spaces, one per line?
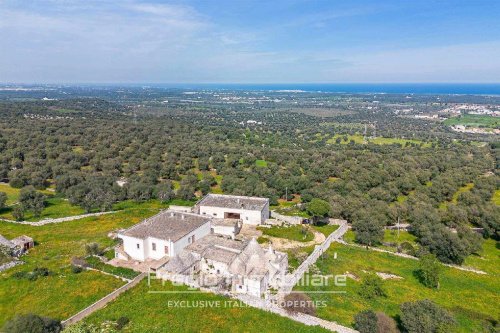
{"x":93,"y":249}
{"x":122,"y":322}
{"x":33,"y":324}
{"x":407,"y":247}
{"x":428,"y":273}
{"x":386,"y":324}
{"x":372,"y":287}
{"x":3,"y":200}
{"x":18,"y":213}
{"x":425,"y":316}
{"x":32,"y":276}
{"x":41,"y":271}
{"x":366,"y":322}
{"x":20,"y":275}
{"x":76,"y":269}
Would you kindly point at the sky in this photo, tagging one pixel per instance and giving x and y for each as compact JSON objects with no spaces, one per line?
{"x":249,"y":41}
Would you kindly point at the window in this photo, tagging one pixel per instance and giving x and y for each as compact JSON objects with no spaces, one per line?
{"x":215,"y":214}
{"x":166,"y":249}
{"x":246,"y":218}
{"x":138,"y":246}
{"x":192,"y":239}
{"x":153,"y":245}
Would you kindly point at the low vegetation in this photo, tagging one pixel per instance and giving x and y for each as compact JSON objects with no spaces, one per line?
{"x":96,"y":263}
{"x":298,"y":233}
{"x":153,"y":312}
{"x":467,"y":296}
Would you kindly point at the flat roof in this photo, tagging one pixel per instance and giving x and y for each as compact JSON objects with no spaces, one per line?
{"x":168,"y":224}
{"x":234,"y":202}
{"x":217,"y":248}
{"x":225,"y":222}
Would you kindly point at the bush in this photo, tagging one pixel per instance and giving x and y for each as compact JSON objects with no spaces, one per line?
{"x":386,"y":324}
{"x":428,"y":273}
{"x":425,"y":316}
{"x":93,"y":249}
{"x":32,"y":276}
{"x":372,"y":287}
{"x":122,"y":322}
{"x":31,"y":323}
{"x":18,"y":213}
{"x":366,"y":322}
{"x":407,"y":247}
{"x":3,"y":200}
{"x":299,"y":302}
{"x":41,"y":271}
{"x":20,"y":275}
{"x":76,"y":269}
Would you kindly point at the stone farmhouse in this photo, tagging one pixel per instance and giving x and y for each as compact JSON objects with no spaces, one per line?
{"x":202,"y":249}
{"x":242,"y":266}
{"x":18,"y":245}
{"x":251,"y":210}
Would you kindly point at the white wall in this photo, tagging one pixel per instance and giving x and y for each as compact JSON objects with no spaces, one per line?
{"x":130,"y":247}
{"x":160,"y":248}
{"x":202,"y":231}
{"x":225,"y":230}
{"x":145,"y":250}
{"x":254,"y":217}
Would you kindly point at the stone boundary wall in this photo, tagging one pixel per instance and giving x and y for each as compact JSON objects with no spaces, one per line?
{"x":294,"y":277}
{"x":299,"y":317}
{"x":287,"y":219}
{"x":186,"y":209}
{"x":102,"y":302}
{"x":407,"y":256}
{"x":58,"y":220}
{"x":10,"y":264}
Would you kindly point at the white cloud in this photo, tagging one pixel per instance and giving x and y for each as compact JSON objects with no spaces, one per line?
{"x":138,"y":41}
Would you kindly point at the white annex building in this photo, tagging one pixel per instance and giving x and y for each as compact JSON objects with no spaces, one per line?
{"x":251,"y":210}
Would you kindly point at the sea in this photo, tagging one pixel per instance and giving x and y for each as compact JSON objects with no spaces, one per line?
{"x":380,"y":88}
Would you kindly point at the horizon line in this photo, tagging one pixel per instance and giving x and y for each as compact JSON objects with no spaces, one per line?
{"x":246,"y":83}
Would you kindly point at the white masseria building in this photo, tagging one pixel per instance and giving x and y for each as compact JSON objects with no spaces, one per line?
{"x":163,"y":235}
{"x":251,"y":210}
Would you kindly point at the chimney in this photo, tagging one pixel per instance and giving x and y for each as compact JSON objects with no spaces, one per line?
{"x":182,"y":216}
{"x":172,"y":214}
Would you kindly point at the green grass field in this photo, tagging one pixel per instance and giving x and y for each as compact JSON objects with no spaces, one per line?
{"x":357,"y":138}
{"x":469,"y":296}
{"x":56,"y":206}
{"x":467,"y":187}
{"x":261,"y":163}
{"x":157,"y":312}
{"x":390,"y":236}
{"x":118,"y":271}
{"x":473,"y":120}
{"x":64,"y":293}
{"x":294,"y":232}
{"x":325,"y":229}
{"x":496,"y":197}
